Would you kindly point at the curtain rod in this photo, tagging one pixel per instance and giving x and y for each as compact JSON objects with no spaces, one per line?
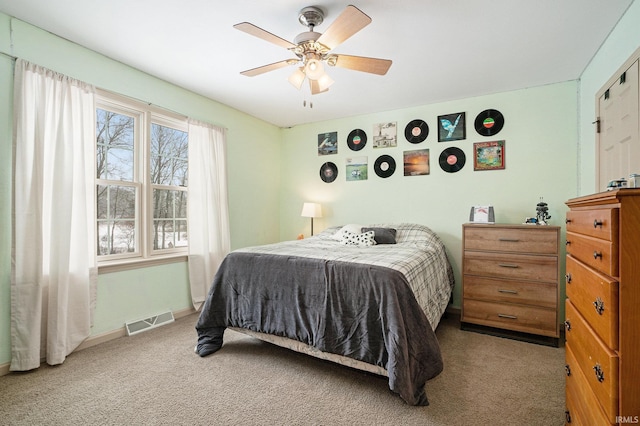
{"x":9,"y":56}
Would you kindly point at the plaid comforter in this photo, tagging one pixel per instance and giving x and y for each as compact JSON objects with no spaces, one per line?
{"x":418,"y":254}
{"x":358,"y":302}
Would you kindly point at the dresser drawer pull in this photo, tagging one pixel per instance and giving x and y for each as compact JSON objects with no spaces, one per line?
{"x":567,"y":416}
{"x":508,"y":265}
{"x":508,"y":240}
{"x":567,"y":221}
{"x":567,"y":325}
{"x":599,"y":305}
{"x":567,"y":243}
{"x":507,"y":316}
{"x":568,"y":278}
{"x":567,"y":369}
{"x":597,"y":223}
{"x":501,"y":290}
{"x":599,"y":373}
{"x":597,"y":255}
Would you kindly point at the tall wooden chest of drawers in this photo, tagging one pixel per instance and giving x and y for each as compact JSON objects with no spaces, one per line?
{"x":603,"y":308}
{"x":510,"y":279}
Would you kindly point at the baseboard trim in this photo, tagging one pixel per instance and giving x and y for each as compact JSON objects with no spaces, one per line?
{"x":104,"y":337}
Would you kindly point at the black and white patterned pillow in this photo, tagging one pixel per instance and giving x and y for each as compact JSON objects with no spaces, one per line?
{"x":353,"y":239}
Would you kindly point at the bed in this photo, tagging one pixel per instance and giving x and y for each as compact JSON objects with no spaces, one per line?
{"x":369,"y":297}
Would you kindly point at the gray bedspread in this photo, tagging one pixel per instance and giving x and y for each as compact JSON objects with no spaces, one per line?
{"x":363,"y":311}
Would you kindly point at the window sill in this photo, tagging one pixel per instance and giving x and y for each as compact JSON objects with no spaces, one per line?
{"x":138,"y":263}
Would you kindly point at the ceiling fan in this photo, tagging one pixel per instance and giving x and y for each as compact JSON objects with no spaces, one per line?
{"x":313,"y":49}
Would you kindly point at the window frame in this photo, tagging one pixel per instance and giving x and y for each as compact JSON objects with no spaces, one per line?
{"x":144,"y":115}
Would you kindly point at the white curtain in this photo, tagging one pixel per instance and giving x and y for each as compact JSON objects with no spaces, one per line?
{"x":53,"y":251}
{"x":208,"y":207}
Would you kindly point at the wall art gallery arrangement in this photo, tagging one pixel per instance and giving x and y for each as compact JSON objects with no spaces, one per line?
{"x":488,"y":155}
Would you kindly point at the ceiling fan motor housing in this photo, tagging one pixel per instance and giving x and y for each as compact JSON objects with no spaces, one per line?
{"x":311,"y":16}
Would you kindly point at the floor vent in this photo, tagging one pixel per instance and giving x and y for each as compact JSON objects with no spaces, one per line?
{"x":134,"y":327}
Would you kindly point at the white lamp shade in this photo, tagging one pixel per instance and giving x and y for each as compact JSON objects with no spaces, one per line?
{"x":324,"y":82}
{"x":297,"y":78}
{"x":314,"y":69}
{"x":311,"y":210}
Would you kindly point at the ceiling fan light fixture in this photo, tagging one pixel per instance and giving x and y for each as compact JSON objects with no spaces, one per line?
{"x":324,"y":82}
{"x":314,"y":69}
{"x":297,"y":78}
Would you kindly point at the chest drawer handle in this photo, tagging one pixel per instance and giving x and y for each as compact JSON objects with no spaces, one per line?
{"x":507,"y":316}
{"x":567,"y":325}
{"x":567,"y":416}
{"x":599,"y":305}
{"x":599,"y":373}
{"x":567,"y":369}
{"x":567,"y":243}
{"x":597,"y":223}
{"x":567,"y":221}
{"x":568,"y":278}
{"x":501,"y":290}
{"x":508,"y":240}
{"x":597,"y":255}
{"x":508,"y":265}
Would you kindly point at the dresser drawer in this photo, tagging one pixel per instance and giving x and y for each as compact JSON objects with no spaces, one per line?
{"x":511,"y":266}
{"x":515,"y":240}
{"x":595,"y":296}
{"x":599,"y":223}
{"x":528,"y":319}
{"x":582,"y":404}
{"x":597,"y":362}
{"x":600,"y":254}
{"x":512,"y":291}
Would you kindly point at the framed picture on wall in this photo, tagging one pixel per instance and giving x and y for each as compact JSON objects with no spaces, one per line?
{"x":328,"y":143}
{"x":385,"y":135}
{"x":452,"y":127}
{"x":489,"y":155}
{"x":357,"y":168}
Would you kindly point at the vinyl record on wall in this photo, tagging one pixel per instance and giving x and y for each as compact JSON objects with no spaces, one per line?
{"x":384,"y":166}
{"x":452,"y":159}
{"x":357,"y":139}
{"x":489,"y":122}
{"x":328,"y":172}
{"x":416,"y":131}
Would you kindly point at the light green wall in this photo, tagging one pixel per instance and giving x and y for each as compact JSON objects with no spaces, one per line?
{"x":623,"y":41}
{"x":253,"y":185}
{"x":541,"y":136}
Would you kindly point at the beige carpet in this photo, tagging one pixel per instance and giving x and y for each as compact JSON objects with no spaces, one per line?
{"x":154,"y":378}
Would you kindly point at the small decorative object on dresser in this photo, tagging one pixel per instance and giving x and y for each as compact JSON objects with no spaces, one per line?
{"x":603,"y":308}
{"x":510,"y":281}
{"x":542,"y":215}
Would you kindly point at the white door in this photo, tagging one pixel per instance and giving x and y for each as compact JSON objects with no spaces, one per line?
{"x":618,"y":141}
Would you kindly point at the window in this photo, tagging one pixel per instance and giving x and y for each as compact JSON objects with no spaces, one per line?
{"x":141,"y":180}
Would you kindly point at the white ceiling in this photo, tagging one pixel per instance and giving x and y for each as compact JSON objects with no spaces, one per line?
{"x":441,"y":49}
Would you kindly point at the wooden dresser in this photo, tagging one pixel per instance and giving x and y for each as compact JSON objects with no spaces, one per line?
{"x":603,"y":308}
{"x":510,"y":280}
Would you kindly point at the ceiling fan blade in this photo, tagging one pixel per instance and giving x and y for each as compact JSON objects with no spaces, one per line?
{"x":350,"y":21}
{"x":265,"y":35}
{"x":315,"y":87}
{"x":361,"y":63}
{"x":266,"y":68}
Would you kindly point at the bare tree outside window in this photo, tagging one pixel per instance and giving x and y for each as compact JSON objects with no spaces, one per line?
{"x":169,"y":164}
{"x":116,"y":202}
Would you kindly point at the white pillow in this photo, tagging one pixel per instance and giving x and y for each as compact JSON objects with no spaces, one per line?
{"x":361,"y":239}
{"x":353,"y":228}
